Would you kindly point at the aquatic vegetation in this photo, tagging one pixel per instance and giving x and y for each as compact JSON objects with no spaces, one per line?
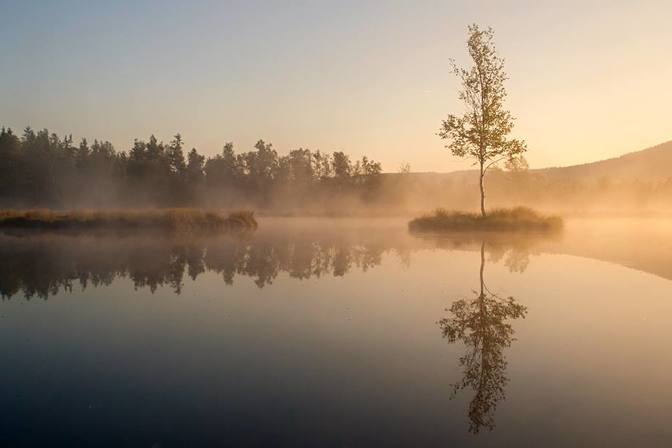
{"x":515,"y":219}
{"x":182,"y":219}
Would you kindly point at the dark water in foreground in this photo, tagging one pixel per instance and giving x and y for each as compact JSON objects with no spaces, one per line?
{"x":345,"y":333}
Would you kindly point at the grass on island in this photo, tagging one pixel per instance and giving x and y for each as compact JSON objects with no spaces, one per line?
{"x":515,"y":219}
{"x":178,"y":219}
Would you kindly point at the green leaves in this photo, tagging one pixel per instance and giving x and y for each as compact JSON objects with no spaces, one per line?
{"x":482,"y":131}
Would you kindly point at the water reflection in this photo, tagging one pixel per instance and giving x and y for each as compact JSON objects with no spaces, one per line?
{"x":483,"y":325}
{"x":40,"y":266}
{"x":363,"y":348}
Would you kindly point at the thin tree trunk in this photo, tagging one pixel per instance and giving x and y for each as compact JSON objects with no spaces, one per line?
{"x":482,"y":266}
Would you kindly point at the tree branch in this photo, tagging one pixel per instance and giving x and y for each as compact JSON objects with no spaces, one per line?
{"x":493,"y":162}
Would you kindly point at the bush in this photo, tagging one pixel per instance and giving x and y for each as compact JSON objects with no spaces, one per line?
{"x":516,"y":219}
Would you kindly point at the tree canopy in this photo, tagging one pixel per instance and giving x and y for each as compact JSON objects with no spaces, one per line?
{"x":43,"y":169}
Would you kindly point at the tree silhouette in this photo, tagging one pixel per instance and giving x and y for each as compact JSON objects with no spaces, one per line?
{"x":482,"y":325}
{"x":42,"y":169}
{"x":481,"y":133}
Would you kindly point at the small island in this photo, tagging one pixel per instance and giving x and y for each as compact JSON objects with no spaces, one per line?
{"x":174,"y":219}
{"x":498,"y":220}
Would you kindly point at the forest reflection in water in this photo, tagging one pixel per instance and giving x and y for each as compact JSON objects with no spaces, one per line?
{"x":40,"y":265}
{"x":43,"y":266}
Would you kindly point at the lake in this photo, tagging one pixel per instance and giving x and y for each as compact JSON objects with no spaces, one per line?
{"x":344,"y":333}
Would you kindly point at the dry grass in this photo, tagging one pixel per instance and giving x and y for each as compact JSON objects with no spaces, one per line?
{"x":516,"y":219}
{"x":178,"y":219}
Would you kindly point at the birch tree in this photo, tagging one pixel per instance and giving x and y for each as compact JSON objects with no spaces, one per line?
{"x":482,"y":132}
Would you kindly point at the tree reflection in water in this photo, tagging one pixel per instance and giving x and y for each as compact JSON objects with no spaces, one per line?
{"x":482,"y":324}
{"x":43,"y":265}
{"x":40,"y":265}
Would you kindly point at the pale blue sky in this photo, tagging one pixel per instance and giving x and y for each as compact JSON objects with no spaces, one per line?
{"x":589,"y":80}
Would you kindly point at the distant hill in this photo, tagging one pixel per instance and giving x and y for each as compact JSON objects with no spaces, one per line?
{"x":651,"y":164}
{"x":638,"y":181}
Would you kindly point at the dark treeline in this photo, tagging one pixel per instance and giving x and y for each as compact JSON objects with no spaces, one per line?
{"x":43,"y":169}
{"x":39,"y":169}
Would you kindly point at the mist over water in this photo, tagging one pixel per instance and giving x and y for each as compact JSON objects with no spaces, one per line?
{"x":385,"y":225}
{"x":299,"y":332}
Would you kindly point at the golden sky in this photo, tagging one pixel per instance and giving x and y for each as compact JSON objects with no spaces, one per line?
{"x":588,"y":80}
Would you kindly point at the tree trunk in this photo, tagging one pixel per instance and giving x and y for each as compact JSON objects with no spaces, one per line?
{"x":482,"y":192}
{"x":482,"y":266}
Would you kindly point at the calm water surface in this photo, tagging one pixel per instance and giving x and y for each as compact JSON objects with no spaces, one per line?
{"x":339,"y":333}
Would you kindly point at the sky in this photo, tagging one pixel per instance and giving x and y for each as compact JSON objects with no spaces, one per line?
{"x":588,"y":79}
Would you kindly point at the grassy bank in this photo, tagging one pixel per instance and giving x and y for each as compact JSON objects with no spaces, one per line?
{"x":516,"y":219}
{"x":152,"y":219}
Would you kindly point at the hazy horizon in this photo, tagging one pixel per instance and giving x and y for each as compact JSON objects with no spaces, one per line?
{"x":367,"y":79}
